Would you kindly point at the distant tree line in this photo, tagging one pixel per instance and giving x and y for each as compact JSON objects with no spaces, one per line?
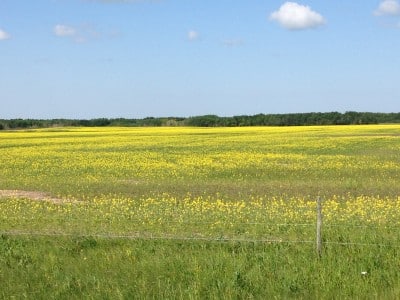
{"x":294,"y":119}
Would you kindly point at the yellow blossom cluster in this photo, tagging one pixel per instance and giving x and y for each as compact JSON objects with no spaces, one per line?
{"x":167,"y":215}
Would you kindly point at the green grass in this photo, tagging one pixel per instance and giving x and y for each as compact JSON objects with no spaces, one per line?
{"x":76,"y":268}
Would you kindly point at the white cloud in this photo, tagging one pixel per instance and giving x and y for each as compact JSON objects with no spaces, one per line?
{"x":64,"y":30}
{"x":233,"y":42}
{"x":192,"y":35}
{"x":388,"y":7}
{"x":82,"y":33}
{"x":4,"y":35}
{"x":294,"y":16}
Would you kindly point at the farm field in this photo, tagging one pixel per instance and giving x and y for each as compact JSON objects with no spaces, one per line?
{"x":197,"y":213}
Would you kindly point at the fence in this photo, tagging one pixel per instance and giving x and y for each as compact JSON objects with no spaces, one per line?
{"x":317,"y":238}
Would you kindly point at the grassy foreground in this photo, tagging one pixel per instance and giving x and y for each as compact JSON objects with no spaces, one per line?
{"x":76,"y":268}
{"x":180,"y":213}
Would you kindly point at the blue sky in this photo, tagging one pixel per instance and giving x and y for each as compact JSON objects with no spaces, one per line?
{"x":138,"y":58}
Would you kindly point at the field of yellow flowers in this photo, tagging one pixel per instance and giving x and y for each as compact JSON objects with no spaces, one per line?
{"x":156,"y":188}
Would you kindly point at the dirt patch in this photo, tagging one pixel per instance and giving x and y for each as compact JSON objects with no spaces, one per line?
{"x":35,"y":196}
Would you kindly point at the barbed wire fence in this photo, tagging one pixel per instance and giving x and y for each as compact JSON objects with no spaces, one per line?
{"x":318,"y":239}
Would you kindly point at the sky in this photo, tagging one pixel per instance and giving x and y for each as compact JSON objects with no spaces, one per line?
{"x":140,"y":58}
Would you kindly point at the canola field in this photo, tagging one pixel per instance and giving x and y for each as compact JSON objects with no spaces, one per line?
{"x":228,"y":194}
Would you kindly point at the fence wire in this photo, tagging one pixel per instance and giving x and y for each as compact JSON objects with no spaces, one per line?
{"x":165,"y":236}
{"x":140,"y":236}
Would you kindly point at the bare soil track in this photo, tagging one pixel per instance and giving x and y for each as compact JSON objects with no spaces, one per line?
{"x":34,"y":195}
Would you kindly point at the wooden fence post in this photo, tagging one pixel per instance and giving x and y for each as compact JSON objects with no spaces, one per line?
{"x":319,"y":226}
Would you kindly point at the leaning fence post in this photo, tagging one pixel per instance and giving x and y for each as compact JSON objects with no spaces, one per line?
{"x":319,"y":226}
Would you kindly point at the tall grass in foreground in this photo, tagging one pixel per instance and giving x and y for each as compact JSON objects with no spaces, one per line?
{"x":65,"y":268}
